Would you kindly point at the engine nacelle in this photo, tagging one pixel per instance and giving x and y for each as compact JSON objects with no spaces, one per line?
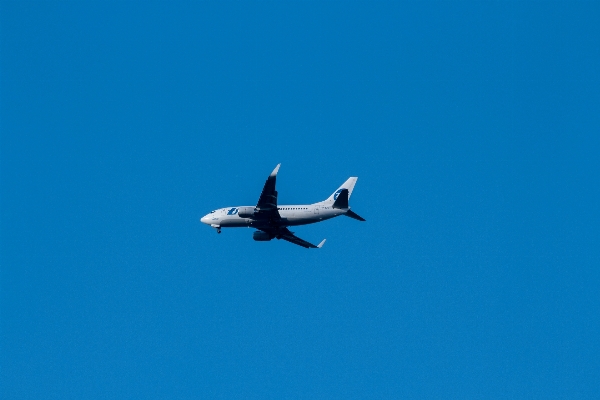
{"x":261,"y":236}
{"x":246,"y":212}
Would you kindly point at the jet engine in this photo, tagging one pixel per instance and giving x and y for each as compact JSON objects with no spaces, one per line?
{"x":246,"y":212}
{"x":261,"y":236}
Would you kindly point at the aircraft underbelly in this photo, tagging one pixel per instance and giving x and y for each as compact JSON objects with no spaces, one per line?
{"x":234,"y":222}
{"x":301,"y":221}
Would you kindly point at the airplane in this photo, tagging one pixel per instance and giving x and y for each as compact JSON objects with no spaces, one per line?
{"x":271,"y":220}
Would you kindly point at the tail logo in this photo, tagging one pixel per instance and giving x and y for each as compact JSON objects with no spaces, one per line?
{"x":337,"y":193}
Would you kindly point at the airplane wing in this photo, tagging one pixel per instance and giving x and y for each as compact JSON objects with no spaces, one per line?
{"x":296,"y":240}
{"x":267,"y":202}
{"x":286,"y":234}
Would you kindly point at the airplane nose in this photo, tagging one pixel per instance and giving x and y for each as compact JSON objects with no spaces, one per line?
{"x":204,"y":220}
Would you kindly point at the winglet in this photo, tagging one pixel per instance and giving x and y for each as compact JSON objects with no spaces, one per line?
{"x":274,"y":173}
{"x":321,"y":244}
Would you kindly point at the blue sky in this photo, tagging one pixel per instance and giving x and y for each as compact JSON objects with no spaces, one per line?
{"x":473,"y":128}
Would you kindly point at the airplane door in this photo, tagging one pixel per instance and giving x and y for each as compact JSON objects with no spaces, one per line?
{"x":316,"y":210}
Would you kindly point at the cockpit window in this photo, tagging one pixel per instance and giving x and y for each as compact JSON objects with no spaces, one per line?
{"x":212,"y":212}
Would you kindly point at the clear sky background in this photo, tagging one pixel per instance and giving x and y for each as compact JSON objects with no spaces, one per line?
{"x":473,"y":128}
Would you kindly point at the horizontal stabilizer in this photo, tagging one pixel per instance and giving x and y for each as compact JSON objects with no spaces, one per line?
{"x":354,"y":215}
{"x":321,"y":244}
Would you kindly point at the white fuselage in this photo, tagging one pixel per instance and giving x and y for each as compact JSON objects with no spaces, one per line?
{"x":290,"y":215}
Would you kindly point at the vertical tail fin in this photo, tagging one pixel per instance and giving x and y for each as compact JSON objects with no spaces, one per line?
{"x":348,"y":185}
{"x":342,"y":199}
